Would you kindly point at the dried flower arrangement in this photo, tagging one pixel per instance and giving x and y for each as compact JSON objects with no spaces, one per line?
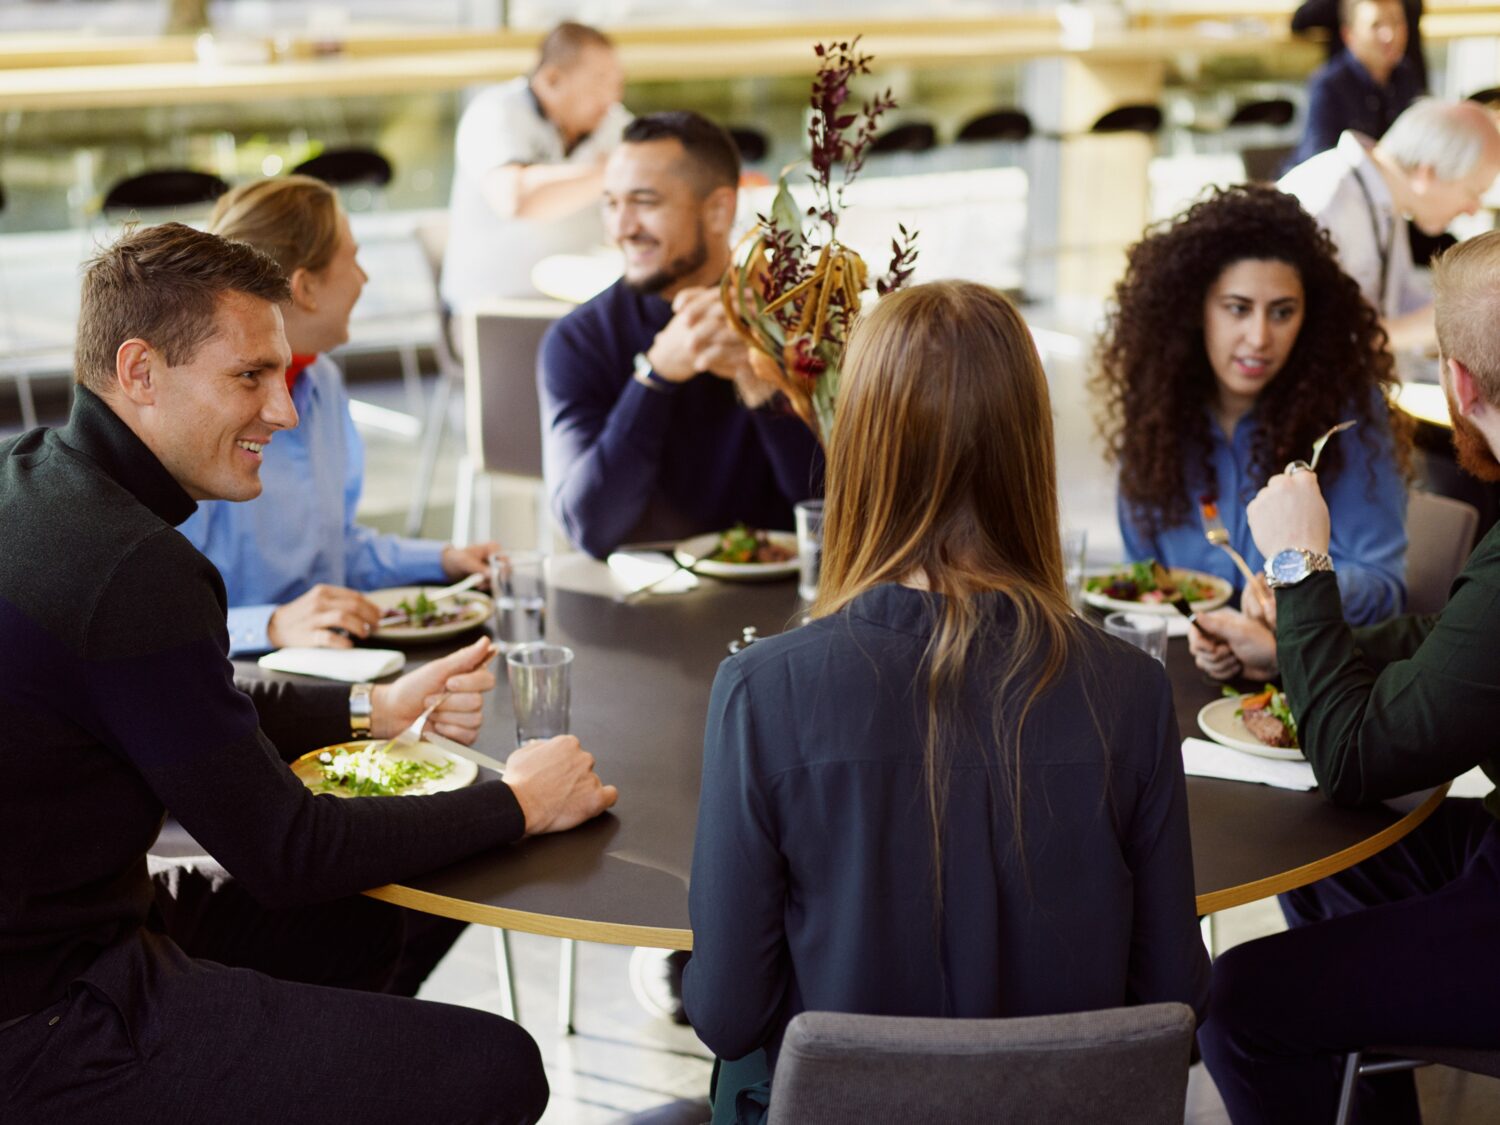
{"x":794,"y":290}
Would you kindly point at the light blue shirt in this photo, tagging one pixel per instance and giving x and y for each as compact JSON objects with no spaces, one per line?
{"x":300,"y":531}
{"x":1368,"y":514}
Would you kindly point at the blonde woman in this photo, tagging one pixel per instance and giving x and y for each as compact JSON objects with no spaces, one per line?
{"x":294,"y":559}
{"x":947,"y":795}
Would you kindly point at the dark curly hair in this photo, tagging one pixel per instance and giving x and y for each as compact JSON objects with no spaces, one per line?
{"x":1152,"y":375}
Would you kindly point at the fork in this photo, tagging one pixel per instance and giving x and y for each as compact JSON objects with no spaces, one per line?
{"x":1218,"y":535}
{"x":413,"y":734}
{"x":1304,"y":466}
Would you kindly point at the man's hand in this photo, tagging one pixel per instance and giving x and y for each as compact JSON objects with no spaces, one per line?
{"x":1238,"y":646}
{"x":460,"y":562}
{"x":324,"y":617}
{"x":556,"y":786}
{"x":1289,"y":512}
{"x":1259,"y":602}
{"x":465,"y":676}
{"x":698,"y":338}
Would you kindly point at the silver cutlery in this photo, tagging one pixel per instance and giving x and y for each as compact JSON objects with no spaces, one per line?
{"x":1311,"y":467}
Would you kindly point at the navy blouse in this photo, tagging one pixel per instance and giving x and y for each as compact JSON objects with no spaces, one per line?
{"x":812,"y":882}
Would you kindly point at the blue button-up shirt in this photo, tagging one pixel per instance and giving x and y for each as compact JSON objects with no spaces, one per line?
{"x":300,"y":531}
{"x":1342,"y":95}
{"x":1368,"y":514}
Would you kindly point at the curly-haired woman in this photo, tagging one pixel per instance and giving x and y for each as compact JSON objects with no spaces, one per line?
{"x":1235,"y":340}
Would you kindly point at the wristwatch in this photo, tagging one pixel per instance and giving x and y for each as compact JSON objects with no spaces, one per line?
{"x":360,"y":710}
{"x":646,"y":377}
{"x":1288,"y":567}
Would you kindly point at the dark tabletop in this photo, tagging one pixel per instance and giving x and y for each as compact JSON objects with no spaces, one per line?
{"x":641,"y":682}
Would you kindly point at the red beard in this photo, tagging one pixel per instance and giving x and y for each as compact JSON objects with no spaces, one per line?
{"x":1470,"y":447}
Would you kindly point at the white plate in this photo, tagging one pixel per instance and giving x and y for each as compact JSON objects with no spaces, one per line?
{"x":478,"y":609}
{"x":690,"y":554}
{"x":463,"y":772}
{"x":1219,"y":721}
{"x":1224,"y":592}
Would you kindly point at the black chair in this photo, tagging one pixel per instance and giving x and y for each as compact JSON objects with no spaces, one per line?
{"x":1266,"y":111}
{"x":1489,"y":97}
{"x":998,"y":125}
{"x":1264,"y":163}
{"x":348,"y":167}
{"x":752,"y":143}
{"x":1388,"y":1059}
{"x":914,"y":136}
{"x":163,"y":189}
{"x":1129,"y":119}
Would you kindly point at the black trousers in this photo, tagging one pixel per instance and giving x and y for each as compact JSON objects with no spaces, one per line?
{"x":162,"y":1031}
{"x":1398,"y":949}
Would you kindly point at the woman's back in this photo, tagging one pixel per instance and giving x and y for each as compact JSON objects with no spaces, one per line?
{"x":813,"y":883}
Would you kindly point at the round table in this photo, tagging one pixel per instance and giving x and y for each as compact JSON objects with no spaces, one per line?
{"x":640,"y":699}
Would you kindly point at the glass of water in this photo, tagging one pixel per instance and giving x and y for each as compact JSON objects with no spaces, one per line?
{"x":518,"y":582}
{"x":1075,"y":542}
{"x":809,"y":515}
{"x":541,"y":689}
{"x":1147,"y":631}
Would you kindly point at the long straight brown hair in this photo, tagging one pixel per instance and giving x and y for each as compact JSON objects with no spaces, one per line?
{"x":941,"y":472}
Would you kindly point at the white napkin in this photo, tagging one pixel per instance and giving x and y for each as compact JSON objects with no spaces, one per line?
{"x":634,"y":569}
{"x":1177,"y":625}
{"x":352,"y":665}
{"x":1475,"y":783}
{"x":1201,"y":758}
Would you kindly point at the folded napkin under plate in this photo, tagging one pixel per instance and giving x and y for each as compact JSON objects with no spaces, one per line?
{"x":1201,"y":758}
{"x":351,"y":665}
{"x":636,"y":570}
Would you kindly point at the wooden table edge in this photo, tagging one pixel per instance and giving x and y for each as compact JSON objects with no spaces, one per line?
{"x":1215,"y":901}
{"x":548,"y":925}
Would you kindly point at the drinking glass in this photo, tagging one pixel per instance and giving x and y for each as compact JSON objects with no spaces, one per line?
{"x":809,"y":515}
{"x":541,"y":689}
{"x":518,"y":582}
{"x":1147,"y":631}
{"x":1075,"y":542}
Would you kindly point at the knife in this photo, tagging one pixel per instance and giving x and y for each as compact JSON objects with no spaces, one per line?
{"x":1163,"y":580}
{"x":466,"y":752}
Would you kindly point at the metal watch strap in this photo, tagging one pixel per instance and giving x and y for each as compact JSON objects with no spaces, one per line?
{"x":1314,"y":561}
{"x":647,"y":377}
{"x":360,"y":710}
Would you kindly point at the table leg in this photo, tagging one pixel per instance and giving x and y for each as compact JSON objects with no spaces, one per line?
{"x":567,"y":970}
{"x":507,"y":975}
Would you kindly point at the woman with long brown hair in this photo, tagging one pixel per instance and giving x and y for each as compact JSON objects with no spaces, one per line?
{"x":1234,"y":341}
{"x":946,"y":795}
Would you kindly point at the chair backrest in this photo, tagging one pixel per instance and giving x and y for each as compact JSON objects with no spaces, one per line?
{"x":162,"y":189}
{"x":998,"y":125}
{"x":1264,"y":111}
{"x":913,"y":136}
{"x":502,"y":412}
{"x":1129,"y":119}
{"x":346,"y":167}
{"x":752,"y":143}
{"x":1264,"y":163}
{"x":1128,"y":1066}
{"x":1439,"y":538}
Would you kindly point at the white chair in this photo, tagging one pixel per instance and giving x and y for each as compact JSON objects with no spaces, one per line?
{"x":1439,"y":537}
{"x":502,"y":414}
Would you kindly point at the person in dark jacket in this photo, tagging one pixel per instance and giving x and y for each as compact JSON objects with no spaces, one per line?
{"x":947,"y":795}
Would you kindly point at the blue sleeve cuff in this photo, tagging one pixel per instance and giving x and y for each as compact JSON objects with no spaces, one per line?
{"x":248,"y":628}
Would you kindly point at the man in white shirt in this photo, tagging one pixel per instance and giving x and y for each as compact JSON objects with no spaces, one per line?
{"x":529,"y":160}
{"x":1434,"y":163}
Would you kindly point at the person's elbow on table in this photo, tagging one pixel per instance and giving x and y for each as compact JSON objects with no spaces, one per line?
{"x":556,"y":786}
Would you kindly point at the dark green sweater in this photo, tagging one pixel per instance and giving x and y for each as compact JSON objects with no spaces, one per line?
{"x":1392,"y":708}
{"x":117,"y":701}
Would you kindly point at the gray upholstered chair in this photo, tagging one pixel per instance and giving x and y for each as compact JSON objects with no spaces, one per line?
{"x":1439,"y":537}
{"x":1126,"y":1066}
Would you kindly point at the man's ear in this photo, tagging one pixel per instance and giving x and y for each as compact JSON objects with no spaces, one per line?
{"x":304,"y":289}
{"x":719,"y":210}
{"x":136,"y":364}
{"x":1465,"y":389}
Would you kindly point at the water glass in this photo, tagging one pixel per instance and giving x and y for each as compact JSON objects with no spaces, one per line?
{"x":809,"y":515}
{"x":541,"y":689}
{"x":518,"y":582}
{"x":1075,"y":544}
{"x":1147,"y":631}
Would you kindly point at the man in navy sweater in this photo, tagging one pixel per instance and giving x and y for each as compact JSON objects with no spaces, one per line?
{"x":129,"y":993}
{"x":654,"y":425}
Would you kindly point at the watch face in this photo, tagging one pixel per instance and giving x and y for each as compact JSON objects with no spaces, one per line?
{"x":1288,"y":566}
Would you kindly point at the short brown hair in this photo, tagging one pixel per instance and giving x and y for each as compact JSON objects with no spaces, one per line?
{"x":162,"y":284}
{"x":293,"y":219}
{"x":565,"y":42}
{"x":1466,"y":284}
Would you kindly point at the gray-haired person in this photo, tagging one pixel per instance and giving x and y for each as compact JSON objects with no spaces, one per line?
{"x":1434,"y":163}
